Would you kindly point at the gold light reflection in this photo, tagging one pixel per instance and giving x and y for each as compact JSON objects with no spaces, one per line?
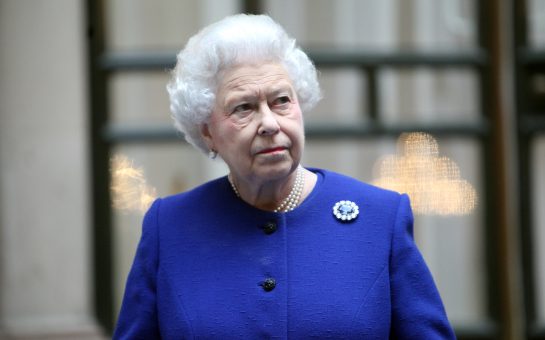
{"x":130,"y":191}
{"x":432,"y":182}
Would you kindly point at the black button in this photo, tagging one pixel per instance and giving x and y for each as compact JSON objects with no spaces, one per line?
{"x":269,"y":228}
{"x":268,"y":284}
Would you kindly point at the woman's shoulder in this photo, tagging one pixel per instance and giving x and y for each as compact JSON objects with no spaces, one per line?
{"x":336,"y":187}
{"x":379,"y":207}
{"x":337,"y":182}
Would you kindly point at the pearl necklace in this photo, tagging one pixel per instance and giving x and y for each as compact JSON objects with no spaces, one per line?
{"x":292,"y":200}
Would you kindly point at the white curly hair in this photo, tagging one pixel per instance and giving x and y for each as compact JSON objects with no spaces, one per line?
{"x":232,"y":41}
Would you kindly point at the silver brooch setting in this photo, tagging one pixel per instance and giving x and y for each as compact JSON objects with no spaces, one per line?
{"x":345,"y":210}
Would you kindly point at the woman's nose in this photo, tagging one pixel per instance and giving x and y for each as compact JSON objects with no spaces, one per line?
{"x":268,"y":124}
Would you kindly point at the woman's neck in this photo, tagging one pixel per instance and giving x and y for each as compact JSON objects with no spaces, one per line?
{"x":272,"y":195}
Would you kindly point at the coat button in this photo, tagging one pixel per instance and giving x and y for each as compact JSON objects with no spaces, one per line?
{"x":269,"y":228}
{"x":268,"y":284}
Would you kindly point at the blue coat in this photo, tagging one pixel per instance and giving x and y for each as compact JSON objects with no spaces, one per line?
{"x":210,"y":266}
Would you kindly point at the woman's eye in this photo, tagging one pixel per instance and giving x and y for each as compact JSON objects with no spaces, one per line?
{"x":281,"y":101}
{"x":242,"y":108}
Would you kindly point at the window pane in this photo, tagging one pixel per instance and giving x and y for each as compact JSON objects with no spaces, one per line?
{"x":160,"y":24}
{"x":429,"y":96}
{"x":536,"y":23}
{"x":454,"y":246}
{"x":383,"y":25}
{"x":139,"y":98}
{"x":437,"y":25}
{"x":538,"y":188}
{"x":344,"y":100}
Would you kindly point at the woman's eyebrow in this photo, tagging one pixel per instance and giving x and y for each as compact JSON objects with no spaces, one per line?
{"x":243,"y":80}
{"x":276,"y":89}
{"x":241,"y":93}
{"x":241,"y":96}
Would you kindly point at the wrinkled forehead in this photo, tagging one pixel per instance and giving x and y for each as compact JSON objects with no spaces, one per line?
{"x":251,"y":75}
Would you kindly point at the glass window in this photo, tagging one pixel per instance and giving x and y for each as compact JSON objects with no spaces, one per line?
{"x":454,"y":245}
{"x":423,"y":95}
{"x":161,"y":24}
{"x":344,"y":99}
{"x":536,"y":23}
{"x":379,"y":25}
{"x":538,"y":231}
{"x":139,"y":98}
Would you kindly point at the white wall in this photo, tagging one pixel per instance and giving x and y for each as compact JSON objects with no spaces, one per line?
{"x":45,"y":264}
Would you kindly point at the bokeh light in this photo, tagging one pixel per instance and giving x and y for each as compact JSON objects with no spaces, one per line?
{"x":129,"y":188}
{"x":433,"y":182}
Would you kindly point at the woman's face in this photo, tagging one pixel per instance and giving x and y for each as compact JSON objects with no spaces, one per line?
{"x":256,"y":125}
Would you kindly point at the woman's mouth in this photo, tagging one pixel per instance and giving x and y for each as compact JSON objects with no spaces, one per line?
{"x":272,"y":150}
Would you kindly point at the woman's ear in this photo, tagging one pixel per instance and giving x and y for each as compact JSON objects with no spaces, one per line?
{"x":207,"y":136}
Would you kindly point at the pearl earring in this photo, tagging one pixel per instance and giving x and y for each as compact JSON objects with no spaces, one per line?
{"x":212,"y":154}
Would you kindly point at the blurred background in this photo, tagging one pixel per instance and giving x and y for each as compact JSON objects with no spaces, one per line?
{"x":82,"y":81}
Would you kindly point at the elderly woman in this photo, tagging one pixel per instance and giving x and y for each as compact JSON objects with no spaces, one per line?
{"x":274,"y":249}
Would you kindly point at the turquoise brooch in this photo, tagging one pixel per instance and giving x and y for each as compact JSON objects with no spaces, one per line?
{"x":345,"y":210}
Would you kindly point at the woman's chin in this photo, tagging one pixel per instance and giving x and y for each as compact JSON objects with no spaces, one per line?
{"x":274,"y":170}
{"x":272,"y":157}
